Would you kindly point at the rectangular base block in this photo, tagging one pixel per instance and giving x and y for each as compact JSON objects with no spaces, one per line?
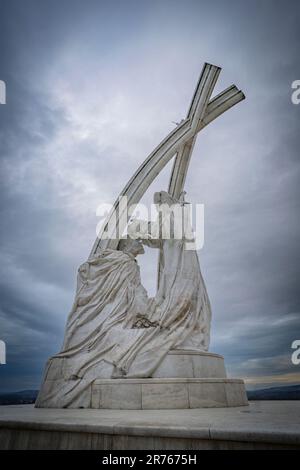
{"x":176,"y":393}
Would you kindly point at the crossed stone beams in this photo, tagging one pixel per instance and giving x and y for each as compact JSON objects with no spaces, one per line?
{"x":179,"y":142}
{"x":215,"y":108}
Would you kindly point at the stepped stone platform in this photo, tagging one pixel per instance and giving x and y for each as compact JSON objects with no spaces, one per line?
{"x":261,"y":425}
{"x":184,"y":379}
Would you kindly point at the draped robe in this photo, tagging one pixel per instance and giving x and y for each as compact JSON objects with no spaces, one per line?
{"x":101,"y":340}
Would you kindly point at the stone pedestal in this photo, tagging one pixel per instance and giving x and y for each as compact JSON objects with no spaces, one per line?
{"x":184,"y":379}
{"x":191,"y":364}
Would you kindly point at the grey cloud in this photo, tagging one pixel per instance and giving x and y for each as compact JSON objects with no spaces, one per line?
{"x":93,"y":86}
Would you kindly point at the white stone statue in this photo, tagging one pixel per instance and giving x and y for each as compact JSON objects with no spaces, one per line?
{"x":123,"y":349}
{"x":114,"y":330}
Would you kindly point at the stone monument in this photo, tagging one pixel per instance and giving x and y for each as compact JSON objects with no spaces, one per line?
{"x":122,"y":349}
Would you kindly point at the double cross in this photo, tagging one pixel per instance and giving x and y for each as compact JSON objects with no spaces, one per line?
{"x":178,"y":143}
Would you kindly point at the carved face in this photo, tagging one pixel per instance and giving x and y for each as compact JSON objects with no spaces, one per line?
{"x":162,"y":197}
{"x":132,"y":246}
{"x":136,"y":248}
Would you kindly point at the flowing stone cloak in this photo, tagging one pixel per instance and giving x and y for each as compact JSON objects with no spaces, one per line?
{"x":101,"y":340}
{"x":98,"y":332}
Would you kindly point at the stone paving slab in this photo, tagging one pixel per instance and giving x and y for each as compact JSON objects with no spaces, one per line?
{"x":275,"y":422}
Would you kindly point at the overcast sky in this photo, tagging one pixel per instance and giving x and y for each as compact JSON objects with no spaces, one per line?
{"x":92,"y":88}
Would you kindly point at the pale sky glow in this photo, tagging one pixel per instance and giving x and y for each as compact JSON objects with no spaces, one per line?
{"x":92,"y":88}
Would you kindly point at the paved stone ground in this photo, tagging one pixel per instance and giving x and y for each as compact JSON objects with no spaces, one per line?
{"x":273,"y":422}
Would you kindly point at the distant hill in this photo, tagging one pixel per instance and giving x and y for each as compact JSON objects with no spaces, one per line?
{"x":24,"y":397}
{"x":288,"y":392}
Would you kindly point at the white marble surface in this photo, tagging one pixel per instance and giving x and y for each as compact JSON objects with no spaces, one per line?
{"x":263,"y":422}
{"x":102,"y":329}
{"x":167,"y":393}
{"x":180,"y":363}
{"x":178,"y":143}
{"x":110,"y":296}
